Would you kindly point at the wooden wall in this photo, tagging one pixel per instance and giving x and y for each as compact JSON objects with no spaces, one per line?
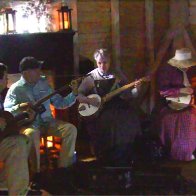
{"x":94,"y":19}
{"x":132,"y":36}
{"x":94,"y":26}
{"x":161,"y":20}
{"x":192,"y":18}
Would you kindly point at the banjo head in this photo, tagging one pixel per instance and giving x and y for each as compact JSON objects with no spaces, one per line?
{"x":179,"y":103}
{"x":86,"y":110}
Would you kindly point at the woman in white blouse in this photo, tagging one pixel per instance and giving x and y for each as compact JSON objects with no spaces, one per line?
{"x":113,"y":131}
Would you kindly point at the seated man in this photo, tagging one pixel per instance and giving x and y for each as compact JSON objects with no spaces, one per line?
{"x":13,"y":152}
{"x":32,"y":87}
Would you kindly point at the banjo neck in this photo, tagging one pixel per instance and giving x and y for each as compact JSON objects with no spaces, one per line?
{"x":39,"y":102}
{"x":37,"y":106}
{"x":86,"y":110}
{"x":110,"y":95}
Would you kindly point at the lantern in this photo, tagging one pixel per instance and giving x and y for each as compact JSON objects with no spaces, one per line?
{"x":64,"y":16}
{"x":8,"y":21}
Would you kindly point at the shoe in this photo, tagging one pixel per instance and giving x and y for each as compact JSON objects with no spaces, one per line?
{"x":34,"y":192}
{"x":36,"y":182}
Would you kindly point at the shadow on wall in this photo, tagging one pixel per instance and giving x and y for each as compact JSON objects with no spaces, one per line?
{"x":85,"y":65}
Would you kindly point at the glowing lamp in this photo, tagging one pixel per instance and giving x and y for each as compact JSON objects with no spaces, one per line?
{"x":49,"y":141}
{"x":64,"y":16}
{"x":8,"y":21}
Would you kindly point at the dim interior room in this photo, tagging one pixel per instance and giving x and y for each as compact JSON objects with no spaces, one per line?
{"x":141,"y":36}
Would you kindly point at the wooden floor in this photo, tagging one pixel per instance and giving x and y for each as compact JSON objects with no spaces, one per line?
{"x":142,"y":177}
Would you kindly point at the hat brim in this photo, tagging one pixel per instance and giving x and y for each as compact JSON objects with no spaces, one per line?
{"x":183,"y":63}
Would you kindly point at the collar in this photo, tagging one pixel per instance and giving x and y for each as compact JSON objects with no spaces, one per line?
{"x":105,"y":75}
{"x":24,"y":82}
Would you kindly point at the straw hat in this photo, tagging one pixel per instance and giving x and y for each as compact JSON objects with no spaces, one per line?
{"x":182,"y":59}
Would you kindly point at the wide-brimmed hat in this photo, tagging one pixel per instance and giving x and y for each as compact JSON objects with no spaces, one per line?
{"x":182,"y":59}
{"x":29,"y":62}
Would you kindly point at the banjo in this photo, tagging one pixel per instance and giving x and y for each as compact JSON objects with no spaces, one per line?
{"x":38,"y":107}
{"x":87,"y":110}
{"x":180,"y":102}
{"x":25,"y":117}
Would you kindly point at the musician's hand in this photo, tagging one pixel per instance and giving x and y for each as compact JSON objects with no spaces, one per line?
{"x":2,"y":123}
{"x":31,"y":114}
{"x":27,"y":107}
{"x":74,"y":87}
{"x":24,"y":106}
{"x":167,"y":93}
{"x":93,"y":101}
{"x":187,"y":91}
{"x":137,"y":84}
{"x":82,"y":108}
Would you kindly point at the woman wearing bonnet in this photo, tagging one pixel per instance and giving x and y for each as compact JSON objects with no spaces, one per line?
{"x":177,"y":118}
{"x":113,"y":131}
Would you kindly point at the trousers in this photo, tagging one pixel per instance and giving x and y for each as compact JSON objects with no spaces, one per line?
{"x":66,"y":131}
{"x":15,"y":173}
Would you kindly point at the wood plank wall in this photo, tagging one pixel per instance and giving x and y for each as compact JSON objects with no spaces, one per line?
{"x":161,"y":24}
{"x":94,"y":30}
{"x":94,"y":26}
{"x":132,"y":37}
{"x":192,"y":18}
{"x":161,"y":20}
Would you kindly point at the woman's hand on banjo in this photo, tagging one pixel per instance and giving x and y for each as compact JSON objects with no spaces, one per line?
{"x":93,"y":101}
{"x":187,"y":91}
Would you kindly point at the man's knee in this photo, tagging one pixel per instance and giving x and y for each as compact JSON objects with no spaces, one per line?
{"x":20,"y":148}
{"x":31,"y":133}
{"x":22,"y":140}
{"x":74,"y":131}
{"x":70,"y":130}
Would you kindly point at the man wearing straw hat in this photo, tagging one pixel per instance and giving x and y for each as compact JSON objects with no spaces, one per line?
{"x":177,"y":120}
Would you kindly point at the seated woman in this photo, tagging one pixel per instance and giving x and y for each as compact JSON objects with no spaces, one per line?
{"x":114,"y":130}
{"x":176,"y":120}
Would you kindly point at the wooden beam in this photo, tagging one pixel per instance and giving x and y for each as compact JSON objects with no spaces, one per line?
{"x":159,"y":57}
{"x":115,"y":31}
{"x":188,"y":42}
{"x":179,"y":18}
{"x":150,"y":53}
{"x":179,"y":13}
{"x":192,"y":2}
{"x":74,"y":6}
{"x":149,"y":15}
{"x":171,"y":33}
